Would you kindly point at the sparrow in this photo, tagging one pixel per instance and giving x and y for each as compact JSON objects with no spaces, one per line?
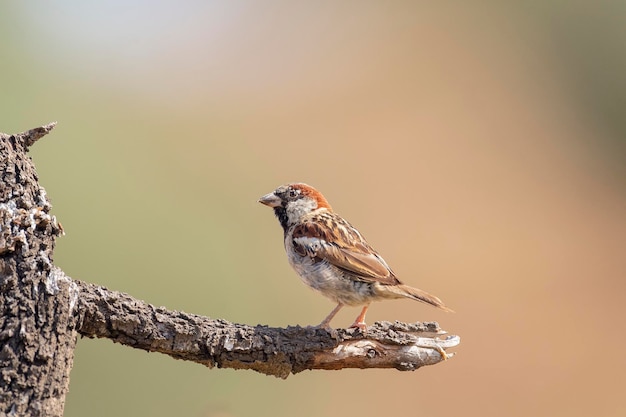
{"x":332,"y":257}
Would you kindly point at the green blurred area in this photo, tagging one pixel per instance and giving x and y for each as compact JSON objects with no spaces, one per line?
{"x":480,"y":149}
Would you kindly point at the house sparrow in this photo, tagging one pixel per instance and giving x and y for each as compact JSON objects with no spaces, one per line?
{"x":332,"y":257}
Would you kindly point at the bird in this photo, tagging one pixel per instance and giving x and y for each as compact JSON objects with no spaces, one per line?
{"x":332,"y":257}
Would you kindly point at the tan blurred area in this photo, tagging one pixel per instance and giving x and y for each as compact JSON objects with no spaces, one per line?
{"x":480,"y":150}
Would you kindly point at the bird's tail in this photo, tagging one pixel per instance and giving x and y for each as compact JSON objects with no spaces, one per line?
{"x":421,"y":295}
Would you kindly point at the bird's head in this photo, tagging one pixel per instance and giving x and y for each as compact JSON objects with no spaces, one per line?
{"x":293,"y":201}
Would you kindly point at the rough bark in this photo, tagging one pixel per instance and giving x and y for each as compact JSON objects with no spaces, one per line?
{"x":269,"y":350}
{"x":37,"y":327}
{"x":43,"y":310}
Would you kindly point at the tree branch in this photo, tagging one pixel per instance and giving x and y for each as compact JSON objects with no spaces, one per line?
{"x":269,"y":350}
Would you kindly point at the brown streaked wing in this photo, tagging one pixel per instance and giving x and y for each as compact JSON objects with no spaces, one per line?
{"x":344,"y":248}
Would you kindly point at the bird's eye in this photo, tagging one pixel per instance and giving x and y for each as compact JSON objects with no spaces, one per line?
{"x":293,"y":193}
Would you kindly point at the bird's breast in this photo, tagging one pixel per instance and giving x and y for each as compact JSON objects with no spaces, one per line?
{"x":334,"y":283}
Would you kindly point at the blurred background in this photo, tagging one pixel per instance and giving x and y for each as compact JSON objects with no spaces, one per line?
{"x":480,"y":148}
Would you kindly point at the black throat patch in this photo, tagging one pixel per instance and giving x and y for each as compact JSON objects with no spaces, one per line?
{"x":281,"y":215}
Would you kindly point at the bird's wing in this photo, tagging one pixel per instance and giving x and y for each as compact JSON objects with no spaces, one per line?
{"x":329,"y":237}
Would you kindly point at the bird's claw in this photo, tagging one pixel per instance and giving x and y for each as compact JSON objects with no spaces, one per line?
{"x":359,"y":325}
{"x":325,"y":326}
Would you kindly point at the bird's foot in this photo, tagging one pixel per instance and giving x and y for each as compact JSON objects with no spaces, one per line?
{"x":359,"y":325}
{"x":359,"y":322}
{"x":327,"y":328}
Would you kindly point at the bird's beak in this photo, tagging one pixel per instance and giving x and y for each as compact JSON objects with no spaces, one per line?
{"x":270,"y":200}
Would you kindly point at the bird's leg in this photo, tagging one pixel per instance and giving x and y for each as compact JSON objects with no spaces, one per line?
{"x":325,"y":324}
{"x":359,"y":322}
